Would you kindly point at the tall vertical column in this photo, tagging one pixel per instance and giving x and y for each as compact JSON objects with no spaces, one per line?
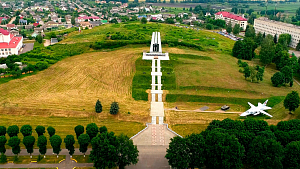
{"x":159,"y":81}
{"x":153,"y":97}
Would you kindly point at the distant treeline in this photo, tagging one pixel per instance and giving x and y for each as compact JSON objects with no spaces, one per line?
{"x":231,"y":1}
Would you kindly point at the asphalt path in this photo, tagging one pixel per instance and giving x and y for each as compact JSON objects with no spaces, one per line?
{"x":150,"y":156}
{"x":27,"y":47}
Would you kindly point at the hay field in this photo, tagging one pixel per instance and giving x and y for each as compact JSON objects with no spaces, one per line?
{"x":77,"y":82}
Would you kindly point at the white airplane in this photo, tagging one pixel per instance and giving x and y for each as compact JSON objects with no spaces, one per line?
{"x":255,"y":110}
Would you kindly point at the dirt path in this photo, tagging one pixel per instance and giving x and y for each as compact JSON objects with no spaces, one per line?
{"x":47,"y":42}
{"x":198,"y":110}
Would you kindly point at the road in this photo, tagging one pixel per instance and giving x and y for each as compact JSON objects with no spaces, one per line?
{"x":83,"y":9}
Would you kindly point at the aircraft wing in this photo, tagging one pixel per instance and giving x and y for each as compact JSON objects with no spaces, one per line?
{"x":266,"y":108}
{"x":265,"y":113}
{"x":251,"y":105}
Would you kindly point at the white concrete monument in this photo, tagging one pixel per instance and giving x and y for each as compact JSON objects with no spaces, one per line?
{"x":156,"y":55}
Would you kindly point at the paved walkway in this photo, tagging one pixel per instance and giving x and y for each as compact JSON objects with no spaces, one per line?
{"x":152,"y":143}
{"x":199,"y":110}
{"x":66,"y":164}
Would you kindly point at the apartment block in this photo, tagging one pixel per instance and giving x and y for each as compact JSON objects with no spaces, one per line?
{"x":232,"y":18}
{"x":264,"y":25}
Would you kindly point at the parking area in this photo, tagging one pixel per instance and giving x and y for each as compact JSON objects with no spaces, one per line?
{"x":26,"y":47}
{"x":230,"y":36}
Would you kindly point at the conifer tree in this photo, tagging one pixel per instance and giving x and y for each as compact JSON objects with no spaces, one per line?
{"x":114,"y":108}
{"x":98,"y":107}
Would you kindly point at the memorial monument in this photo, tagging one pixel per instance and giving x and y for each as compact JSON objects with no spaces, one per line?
{"x":156,"y":55}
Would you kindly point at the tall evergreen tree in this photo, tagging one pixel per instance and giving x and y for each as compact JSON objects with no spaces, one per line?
{"x":114,"y":108}
{"x":98,"y":106}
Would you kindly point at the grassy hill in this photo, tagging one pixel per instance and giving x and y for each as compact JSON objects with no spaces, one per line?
{"x":64,"y":95}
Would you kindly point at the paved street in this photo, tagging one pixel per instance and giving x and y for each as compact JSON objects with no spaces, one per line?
{"x":151,"y":156}
{"x":27,"y":47}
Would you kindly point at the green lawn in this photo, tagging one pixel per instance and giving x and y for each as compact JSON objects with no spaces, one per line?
{"x":65,"y":125}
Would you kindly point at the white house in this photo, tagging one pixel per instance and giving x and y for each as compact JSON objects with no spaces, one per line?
{"x":9,"y":44}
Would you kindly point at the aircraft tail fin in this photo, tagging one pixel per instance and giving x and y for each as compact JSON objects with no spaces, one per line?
{"x":265,"y":103}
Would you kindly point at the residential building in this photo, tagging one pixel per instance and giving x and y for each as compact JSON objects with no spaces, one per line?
{"x":86,"y":24}
{"x":83,"y":18}
{"x":9,"y":44}
{"x":11,"y":26}
{"x":264,"y":25}
{"x":232,"y":18}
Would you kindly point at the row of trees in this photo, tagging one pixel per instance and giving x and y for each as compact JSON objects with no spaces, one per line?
{"x":108,"y":150}
{"x":114,"y":107}
{"x":272,"y":50}
{"x":233,"y":144}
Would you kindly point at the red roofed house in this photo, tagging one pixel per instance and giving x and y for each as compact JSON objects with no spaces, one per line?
{"x":9,"y":44}
{"x":35,"y":24}
{"x":11,"y":26}
{"x":234,"y":19}
{"x":83,"y":18}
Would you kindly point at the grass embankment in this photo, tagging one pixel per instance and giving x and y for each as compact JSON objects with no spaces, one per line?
{"x":27,"y":159}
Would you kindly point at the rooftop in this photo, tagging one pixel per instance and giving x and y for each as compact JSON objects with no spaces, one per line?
{"x":232,"y":16}
{"x":12,"y":44}
{"x":4,"y":32}
{"x":279,"y":23}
